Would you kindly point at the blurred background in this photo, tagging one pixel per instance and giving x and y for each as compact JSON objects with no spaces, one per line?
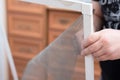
{"x":32,"y":27}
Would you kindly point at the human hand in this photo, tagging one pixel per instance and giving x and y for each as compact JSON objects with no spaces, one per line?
{"x":103,"y":45}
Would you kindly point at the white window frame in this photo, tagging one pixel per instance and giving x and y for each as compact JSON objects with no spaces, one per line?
{"x":83,"y":6}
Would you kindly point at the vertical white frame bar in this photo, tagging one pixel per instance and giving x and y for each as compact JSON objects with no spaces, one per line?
{"x":5,"y":49}
{"x":87,"y":11}
{"x":3,"y":58}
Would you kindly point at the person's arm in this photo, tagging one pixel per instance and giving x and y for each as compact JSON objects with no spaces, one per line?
{"x":98,"y":16}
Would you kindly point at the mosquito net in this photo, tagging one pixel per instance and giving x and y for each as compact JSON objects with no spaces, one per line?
{"x":61,"y":60}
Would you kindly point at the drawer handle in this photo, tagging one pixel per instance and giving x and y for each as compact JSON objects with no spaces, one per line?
{"x":64,"y":21}
{"x":26,"y":50}
{"x":21,"y":27}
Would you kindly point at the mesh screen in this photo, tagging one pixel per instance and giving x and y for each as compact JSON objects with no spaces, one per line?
{"x":61,"y":60}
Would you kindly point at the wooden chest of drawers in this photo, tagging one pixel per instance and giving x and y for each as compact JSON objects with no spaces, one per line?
{"x":27,"y":31}
{"x":27,"y":25}
{"x":26,"y":47}
{"x":60,"y":20}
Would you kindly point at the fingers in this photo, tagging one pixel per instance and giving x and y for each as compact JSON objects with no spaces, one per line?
{"x":90,"y":40}
{"x":104,"y":57}
{"x":92,"y":48}
{"x":99,"y":52}
{"x":95,"y":45}
{"x":91,"y":44}
{"x":101,"y":55}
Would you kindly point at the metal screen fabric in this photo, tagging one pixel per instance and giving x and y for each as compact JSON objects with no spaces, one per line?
{"x":60,"y":60}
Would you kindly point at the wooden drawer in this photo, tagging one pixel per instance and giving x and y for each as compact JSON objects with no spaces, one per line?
{"x":27,"y":25}
{"x":62,"y":19}
{"x":53,"y":34}
{"x":25,"y":47}
{"x":17,"y":5}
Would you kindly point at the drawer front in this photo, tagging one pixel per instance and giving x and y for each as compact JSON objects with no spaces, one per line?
{"x":27,"y":25}
{"x":61,"y":19}
{"x":17,"y":5}
{"x":25,"y":47}
{"x":53,"y":34}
